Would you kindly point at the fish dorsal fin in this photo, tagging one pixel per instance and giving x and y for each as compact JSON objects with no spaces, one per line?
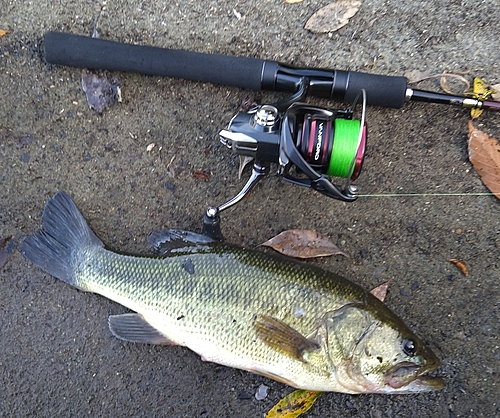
{"x":134,"y":328}
{"x":166,"y":240}
{"x":282,"y":337}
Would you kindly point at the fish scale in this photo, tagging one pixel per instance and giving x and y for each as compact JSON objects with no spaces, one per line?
{"x":289,"y":321}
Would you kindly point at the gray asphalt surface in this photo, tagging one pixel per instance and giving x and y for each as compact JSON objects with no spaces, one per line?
{"x":57,"y":356}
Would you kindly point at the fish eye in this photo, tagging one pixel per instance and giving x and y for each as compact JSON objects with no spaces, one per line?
{"x":409,"y":347}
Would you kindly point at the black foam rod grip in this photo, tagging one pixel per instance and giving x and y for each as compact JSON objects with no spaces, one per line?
{"x":381,"y":90}
{"x":86,"y":52}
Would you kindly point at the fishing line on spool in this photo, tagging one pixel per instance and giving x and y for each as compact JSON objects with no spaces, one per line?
{"x":345,"y":147}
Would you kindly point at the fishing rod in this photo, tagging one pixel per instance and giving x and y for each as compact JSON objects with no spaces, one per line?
{"x":310,"y":144}
{"x":245,"y":72}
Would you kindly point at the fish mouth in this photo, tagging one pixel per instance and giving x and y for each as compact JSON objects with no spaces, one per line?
{"x":410,"y":377}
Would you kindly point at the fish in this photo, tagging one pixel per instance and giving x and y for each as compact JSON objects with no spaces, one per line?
{"x":292,"y":322}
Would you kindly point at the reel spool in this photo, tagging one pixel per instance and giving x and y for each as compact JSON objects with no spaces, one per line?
{"x":322,"y":142}
{"x":331,"y":147}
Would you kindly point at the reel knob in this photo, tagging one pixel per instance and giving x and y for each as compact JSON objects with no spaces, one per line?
{"x":266,"y":116}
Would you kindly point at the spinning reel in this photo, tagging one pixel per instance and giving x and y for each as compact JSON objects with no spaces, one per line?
{"x":310,"y":144}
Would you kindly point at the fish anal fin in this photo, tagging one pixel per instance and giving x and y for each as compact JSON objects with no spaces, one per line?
{"x":283,"y":338}
{"x":134,"y":328}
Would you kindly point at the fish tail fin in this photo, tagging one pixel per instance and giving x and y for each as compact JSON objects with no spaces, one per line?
{"x":64,"y":241}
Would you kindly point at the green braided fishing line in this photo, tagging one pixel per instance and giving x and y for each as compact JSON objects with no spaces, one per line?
{"x":345,"y":146}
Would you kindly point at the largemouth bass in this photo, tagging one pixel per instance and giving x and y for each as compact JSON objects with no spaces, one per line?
{"x":292,"y":322}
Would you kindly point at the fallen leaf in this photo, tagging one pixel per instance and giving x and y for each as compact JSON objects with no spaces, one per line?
{"x":101,"y":89}
{"x":496,"y":92}
{"x":480,"y":92}
{"x":479,"y":88}
{"x":3,"y":32}
{"x":247,"y":103}
{"x":293,"y":1}
{"x":417,"y":76}
{"x":443,"y":82}
{"x":380,"y":292}
{"x":294,"y":404}
{"x":484,"y":154}
{"x":303,"y":243}
{"x":333,"y":16}
{"x":461,"y":265}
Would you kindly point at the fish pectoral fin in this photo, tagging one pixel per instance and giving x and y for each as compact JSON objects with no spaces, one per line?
{"x":166,"y":240}
{"x":134,"y":328}
{"x":283,"y":338}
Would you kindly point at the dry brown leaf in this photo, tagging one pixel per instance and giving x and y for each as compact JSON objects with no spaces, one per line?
{"x":417,"y":76}
{"x":333,"y":16}
{"x":3,"y":32}
{"x":496,"y":92}
{"x":460,"y":264}
{"x":443,"y":82}
{"x":247,"y":103}
{"x":303,"y":243}
{"x":294,"y":404}
{"x":380,"y":292}
{"x":484,"y":154}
